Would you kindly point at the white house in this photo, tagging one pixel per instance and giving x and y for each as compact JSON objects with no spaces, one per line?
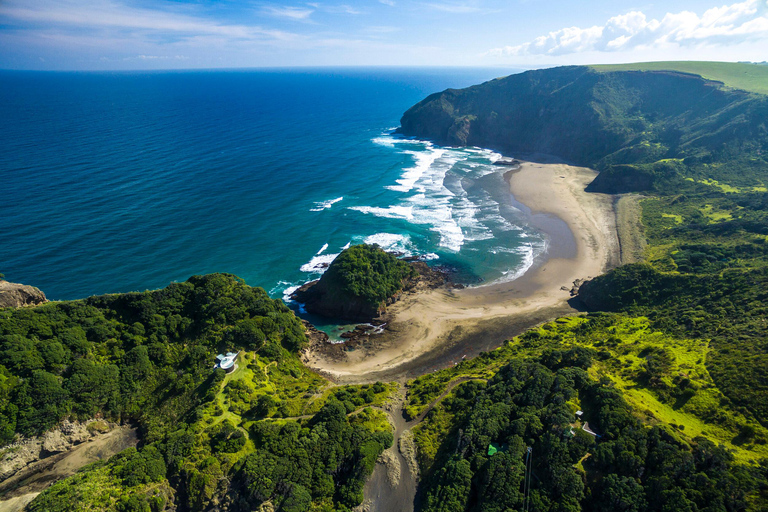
{"x":226,"y":362}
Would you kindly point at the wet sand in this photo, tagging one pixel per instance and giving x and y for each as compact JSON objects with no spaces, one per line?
{"x":435,"y":329}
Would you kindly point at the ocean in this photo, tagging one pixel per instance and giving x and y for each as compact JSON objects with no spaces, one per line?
{"x":127,"y":181}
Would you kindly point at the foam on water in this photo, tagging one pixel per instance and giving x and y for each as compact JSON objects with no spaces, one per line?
{"x":318,"y":264}
{"x":529,"y":252}
{"x":322,"y":249}
{"x":324,"y":205}
{"x":445,"y":208}
{"x":391,"y":212}
{"x":423,"y":163}
{"x":391,"y":242}
{"x":286,"y":289}
{"x":436,"y":187}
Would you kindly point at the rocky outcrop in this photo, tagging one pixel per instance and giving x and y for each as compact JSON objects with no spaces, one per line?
{"x":322,"y":297}
{"x":318,"y":299}
{"x":20,"y":454}
{"x":15,"y":295}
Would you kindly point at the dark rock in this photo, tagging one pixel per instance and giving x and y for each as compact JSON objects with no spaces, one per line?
{"x":506,"y":161}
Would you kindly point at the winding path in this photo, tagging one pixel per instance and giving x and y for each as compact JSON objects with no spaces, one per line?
{"x":383,"y":495}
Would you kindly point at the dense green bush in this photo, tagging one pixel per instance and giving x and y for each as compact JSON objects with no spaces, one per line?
{"x":369,"y":273}
{"x":630,"y":467}
{"x":292,"y":466}
{"x":142,"y":355}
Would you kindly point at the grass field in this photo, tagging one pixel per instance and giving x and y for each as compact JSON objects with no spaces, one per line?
{"x":748,"y":77}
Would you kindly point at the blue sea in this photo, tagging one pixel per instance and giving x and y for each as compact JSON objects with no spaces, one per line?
{"x":115,"y":182}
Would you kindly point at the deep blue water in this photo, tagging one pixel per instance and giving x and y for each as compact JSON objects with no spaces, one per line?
{"x":115,"y":182}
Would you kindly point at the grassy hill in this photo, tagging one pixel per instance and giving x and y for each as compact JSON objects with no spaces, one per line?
{"x":665,"y":428}
{"x":738,"y":75}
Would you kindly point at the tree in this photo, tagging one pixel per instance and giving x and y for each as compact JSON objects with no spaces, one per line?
{"x":247,"y":334}
{"x":620,"y":493}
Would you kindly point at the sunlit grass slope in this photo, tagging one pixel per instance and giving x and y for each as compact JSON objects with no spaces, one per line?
{"x":748,"y":77}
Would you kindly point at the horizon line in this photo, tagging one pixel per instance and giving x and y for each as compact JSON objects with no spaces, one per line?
{"x":351,"y":66}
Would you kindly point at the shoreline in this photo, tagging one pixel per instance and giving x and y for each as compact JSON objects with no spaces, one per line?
{"x":435,"y":329}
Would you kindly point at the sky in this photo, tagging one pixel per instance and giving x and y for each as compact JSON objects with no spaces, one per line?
{"x":191,"y":34}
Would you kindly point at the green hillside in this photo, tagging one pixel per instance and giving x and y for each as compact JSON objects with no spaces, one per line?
{"x":744,"y":76}
{"x":643,"y":130}
{"x":272,"y":431}
{"x":669,"y":439}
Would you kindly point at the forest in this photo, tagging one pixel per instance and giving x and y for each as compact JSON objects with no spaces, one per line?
{"x":272,"y":431}
{"x":661,"y":434}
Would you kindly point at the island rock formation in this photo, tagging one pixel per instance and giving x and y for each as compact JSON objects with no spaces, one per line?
{"x":362,"y":281}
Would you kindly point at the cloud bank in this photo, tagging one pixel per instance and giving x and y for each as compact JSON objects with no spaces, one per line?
{"x":728,"y":25}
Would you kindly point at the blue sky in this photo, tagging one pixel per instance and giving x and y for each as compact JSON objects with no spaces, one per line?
{"x":168,"y":34}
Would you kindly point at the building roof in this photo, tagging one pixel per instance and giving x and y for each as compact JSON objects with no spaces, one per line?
{"x":226,"y":361}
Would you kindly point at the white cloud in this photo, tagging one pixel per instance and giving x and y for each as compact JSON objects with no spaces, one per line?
{"x":101,"y":33}
{"x":106,"y":14}
{"x":390,"y":3}
{"x":294,"y":13}
{"x":731,"y":24}
{"x":339,"y":9}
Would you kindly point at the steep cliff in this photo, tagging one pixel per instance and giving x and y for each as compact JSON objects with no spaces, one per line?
{"x":642,"y":129}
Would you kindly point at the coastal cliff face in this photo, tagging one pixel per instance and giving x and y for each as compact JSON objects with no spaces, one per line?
{"x":15,"y":295}
{"x":20,"y":454}
{"x":642,"y":130}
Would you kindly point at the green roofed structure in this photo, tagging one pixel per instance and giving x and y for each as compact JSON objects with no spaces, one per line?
{"x":494,"y":448}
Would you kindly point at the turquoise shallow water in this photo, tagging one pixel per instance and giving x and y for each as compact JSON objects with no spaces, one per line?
{"x":115,"y":182}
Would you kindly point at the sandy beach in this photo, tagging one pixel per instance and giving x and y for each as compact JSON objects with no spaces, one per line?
{"x":435,"y":329}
